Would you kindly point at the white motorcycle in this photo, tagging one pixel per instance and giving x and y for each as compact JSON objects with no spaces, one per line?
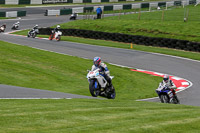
{"x":15,"y":26}
{"x":98,"y":85}
{"x":57,"y":35}
{"x":2,"y":28}
{"x":33,"y":33}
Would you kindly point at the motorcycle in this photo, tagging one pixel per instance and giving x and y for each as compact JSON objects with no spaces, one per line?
{"x":73,"y":16}
{"x":33,"y":33}
{"x":57,"y":35}
{"x":167,"y":95}
{"x":98,"y":86}
{"x":15,"y":26}
{"x":2,"y":28}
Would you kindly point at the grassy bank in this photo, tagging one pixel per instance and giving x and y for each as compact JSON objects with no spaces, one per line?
{"x":186,"y":54}
{"x":150,"y":24}
{"x":96,"y":116}
{"x":28,"y":67}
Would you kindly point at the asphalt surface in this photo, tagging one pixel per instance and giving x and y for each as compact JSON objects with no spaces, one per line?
{"x":13,"y":92}
{"x":180,"y":67}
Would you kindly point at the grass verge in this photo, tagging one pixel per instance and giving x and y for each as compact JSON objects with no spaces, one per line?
{"x":96,"y":116}
{"x":166,"y":24}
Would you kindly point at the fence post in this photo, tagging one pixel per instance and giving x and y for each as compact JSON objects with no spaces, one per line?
{"x":139,"y":14}
{"x":162,"y":14}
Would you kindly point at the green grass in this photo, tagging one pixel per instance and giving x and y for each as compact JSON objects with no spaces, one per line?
{"x":96,"y":116}
{"x":186,"y":54}
{"x":29,"y":67}
{"x":150,"y":24}
{"x":7,"y":18}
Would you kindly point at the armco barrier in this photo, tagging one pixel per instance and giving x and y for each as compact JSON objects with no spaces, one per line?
{"x":119,"y":7}
{"x":20,"y":2}
{"x":2,"y":2}
{"x":135,"y":39}
{"x":13,"y":14}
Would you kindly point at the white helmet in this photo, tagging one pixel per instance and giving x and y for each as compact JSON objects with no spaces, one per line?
{"x":36,"y":25}
{"x":166,"y":78}
{"x":58,"y":26}
{"x":18,"y":22}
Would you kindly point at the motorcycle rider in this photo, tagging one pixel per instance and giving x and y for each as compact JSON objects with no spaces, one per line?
{"x":56,"y":29}
{"x":103,"y":70}
{"x":3,"y":27}
{"x":16,"y":25}
{"x":34,"y":28}
{"x":169,"y":84}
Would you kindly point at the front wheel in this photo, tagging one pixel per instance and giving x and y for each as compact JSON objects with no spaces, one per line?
{"x":94,"y":91}
{"x":164,"y":99}
{"x":51,"y":36}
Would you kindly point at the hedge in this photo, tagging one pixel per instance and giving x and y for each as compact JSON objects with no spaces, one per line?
{"x":135,"y":39}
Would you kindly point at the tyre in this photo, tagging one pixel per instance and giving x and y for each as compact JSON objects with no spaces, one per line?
{"x":112,"y":93}
{"x":58,"y":38}
{"x":93,"y":91}
{"x":175,"y":100}
{"x":164,"y":99}
{"x":51,"y":37}
{"x":34,"y":35}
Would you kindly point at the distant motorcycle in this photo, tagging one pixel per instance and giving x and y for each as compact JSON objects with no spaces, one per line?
{"x":73,"y":16}
{"x":55,"y":35}
{"x":33,"y":33}
{"x":167,"y":95}
{"x":2,"y":28}
{"x":15,"y":26}
{"x":98,"y":85}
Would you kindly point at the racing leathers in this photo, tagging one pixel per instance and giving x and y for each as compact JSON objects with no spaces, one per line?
{"x":104,"y":72}
{"x":34,"y":29}
{"x":170,"y":85}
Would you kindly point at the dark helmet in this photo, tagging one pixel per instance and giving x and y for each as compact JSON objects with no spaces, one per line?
{"x":166,"y":78}
{"x":97,"y":61}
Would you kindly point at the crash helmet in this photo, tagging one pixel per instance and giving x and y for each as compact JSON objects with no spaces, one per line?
{"x":36,"y":26}
{"x":58,"y":26}
{"x":166,"y":78}
{"x":97,"y":61}
{"x":18,"y":22}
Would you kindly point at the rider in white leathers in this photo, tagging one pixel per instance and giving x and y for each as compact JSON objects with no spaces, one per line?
{"x":103,"y":69}
{"x":169,"y":84}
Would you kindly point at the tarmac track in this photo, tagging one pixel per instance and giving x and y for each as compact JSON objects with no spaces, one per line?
{"x":188,"y":69}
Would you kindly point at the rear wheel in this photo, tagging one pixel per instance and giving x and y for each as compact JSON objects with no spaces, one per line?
{"x":175,"y":100}
{"x":58,"y":38}
{"x":111,"y":93}
{"x":34,"y":35}
{"x":93,"y":91}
